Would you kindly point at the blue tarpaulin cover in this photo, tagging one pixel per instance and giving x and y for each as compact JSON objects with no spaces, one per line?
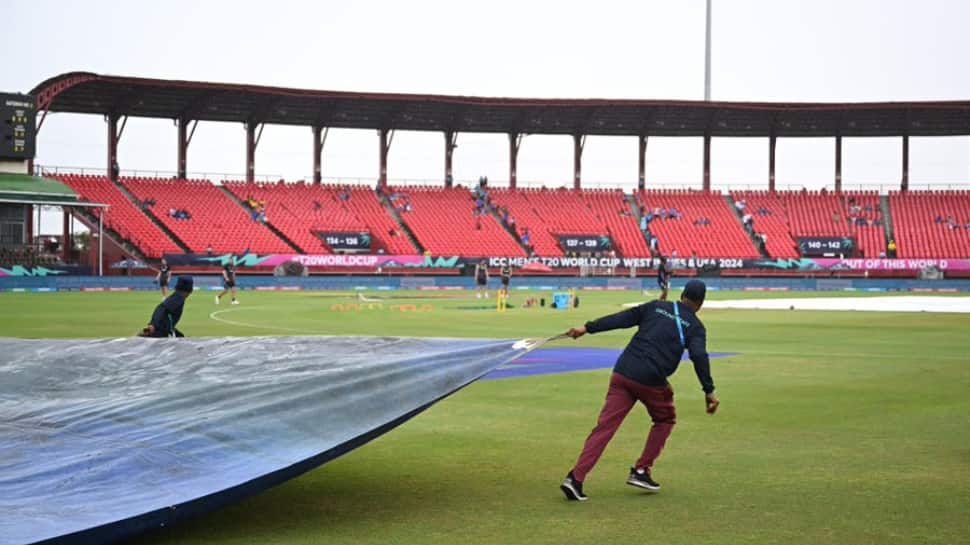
{"x":100,"y":439}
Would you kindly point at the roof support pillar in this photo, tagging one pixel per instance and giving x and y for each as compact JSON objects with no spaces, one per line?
{"x":707,"y":162}
{"x":772,"y":142}
{"x":113,"y":136}
{"x":838,"y":163}
{"x":385,"y":138}
{"x":515,"y":140}
{"x":183,"y":147}
{"x":101,"y":241}
{"x":579,"y":142}
{"x":66,"y":242}
{"x":904,"y":185}
{"x":319,"y":138}
{"x":251,"y":143}
{"x":29,"y":223}
{"x":642,"y":180}
{"x":451,"y":140}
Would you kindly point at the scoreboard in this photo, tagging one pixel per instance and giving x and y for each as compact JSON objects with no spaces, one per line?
{"x":826,"y":246}
{"x":17,"y":126}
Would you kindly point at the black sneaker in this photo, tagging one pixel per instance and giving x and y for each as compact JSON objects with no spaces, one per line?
{"x":572,"y":488}
{"x":641,"y":479}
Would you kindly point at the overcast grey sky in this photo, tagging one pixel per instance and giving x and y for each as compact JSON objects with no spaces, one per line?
{"x":764,"y":50}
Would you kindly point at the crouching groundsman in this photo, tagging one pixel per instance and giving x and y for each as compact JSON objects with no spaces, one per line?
{"x":665,"y":329}
{"x":168,"y":313}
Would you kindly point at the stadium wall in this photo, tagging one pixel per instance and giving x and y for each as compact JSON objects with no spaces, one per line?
{"x":272,"y":283}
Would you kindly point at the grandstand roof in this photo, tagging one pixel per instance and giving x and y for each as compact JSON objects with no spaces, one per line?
{"x":25,"y":189}
{"x":84,"y":92}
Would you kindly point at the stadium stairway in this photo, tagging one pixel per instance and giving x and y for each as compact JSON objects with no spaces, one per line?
{"x":386,"y":203}
{"x":508,"y":228}
{"x":887,"y":217}
{"x":90,"y":221}
{"x":269,"y":224}
{"x":632,"y":201}
{"x":151,"y":216}
{"x":737,"y":213}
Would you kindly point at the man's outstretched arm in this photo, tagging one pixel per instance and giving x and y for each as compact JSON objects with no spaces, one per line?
{"x":623,"y":319}
{"x":697,"y":347}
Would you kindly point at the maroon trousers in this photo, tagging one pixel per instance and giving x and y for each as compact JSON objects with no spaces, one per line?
{"x":620,"y":398}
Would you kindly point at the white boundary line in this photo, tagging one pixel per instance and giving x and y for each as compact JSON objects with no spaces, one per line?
{"x":215,"y":316}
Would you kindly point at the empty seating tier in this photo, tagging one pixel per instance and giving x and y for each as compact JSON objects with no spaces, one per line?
{"x":122,"y":216}
{"x":445,"y":223}
{"x":302,"y":210}
{"x":546,"y":213}
{"x":770,"y":217}
{"x":723,"y":236}
{"x":212,"y":218}
{"x":791,"y":215}
{"x":931,"y":224}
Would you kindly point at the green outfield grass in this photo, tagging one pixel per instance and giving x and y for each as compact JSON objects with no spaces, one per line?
{"x":834,"y":428}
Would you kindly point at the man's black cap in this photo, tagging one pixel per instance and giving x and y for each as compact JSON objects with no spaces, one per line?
{"x":695,"y":290}
{"x":184,"y":283}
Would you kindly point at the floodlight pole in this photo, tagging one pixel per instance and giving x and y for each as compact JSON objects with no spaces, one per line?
{"x":707,"y":56}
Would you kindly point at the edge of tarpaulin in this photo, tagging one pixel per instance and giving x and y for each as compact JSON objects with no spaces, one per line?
{"x":125,"y":528}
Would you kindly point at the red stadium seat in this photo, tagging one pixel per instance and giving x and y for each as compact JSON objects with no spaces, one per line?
{"x":444,"y":222}
{"x":216,"y":220}
{"x":724,"y":237}
{"x":917,"y":233}
{"x":122,"y":216}
{"x":299,"y":210}
{"x":816,"y":213}
{"x":551,"y":212}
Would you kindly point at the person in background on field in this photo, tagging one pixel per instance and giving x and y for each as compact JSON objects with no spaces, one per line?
{"x":663,"y":278}
{"x":665,"y":329}
{"x":506,"y":279}
{"x":481,"y":279}
{"x":162,"y":278}
{"x":228,"y":280}
{"x":168,"y":313}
